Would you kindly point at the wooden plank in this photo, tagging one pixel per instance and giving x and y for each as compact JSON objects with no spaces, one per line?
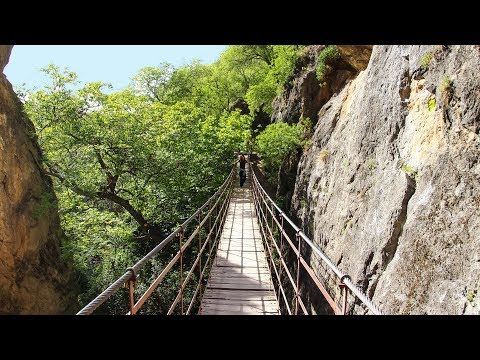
{"x":252,"y":254}
{"x":243,"y":308}
{"x":264,"y":274}
{"x":239,"y":263}
{"x":241,"y":238}
{"x":227,"y":277}
{"x":252,"y":302}
{"x":247,"y":270}
{"x":240,"y":286}
{"x":239,"y":252}
{"x":232,"y":312}
{"x":241,"y":241}
{"x":236,"y":255}
{"x":259,"y":303}
{"x":243,"y":247}
{"x":257,"y":276}
{"x":241,"y":271}
{"x":240,"y":246}
{"x":243,"y":295}
{"x":240,"y":282}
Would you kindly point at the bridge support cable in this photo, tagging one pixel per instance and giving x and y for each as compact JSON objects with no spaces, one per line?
{"x":294,"y":260}
{"x":210,"y":218}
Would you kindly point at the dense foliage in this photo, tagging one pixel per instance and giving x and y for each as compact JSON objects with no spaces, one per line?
{"x":278,"y":140}
{"x":325,"y":59}
{"x":128,"y":166}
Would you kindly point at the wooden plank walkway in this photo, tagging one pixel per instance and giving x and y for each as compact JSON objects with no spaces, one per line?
{"x":240,"y":281}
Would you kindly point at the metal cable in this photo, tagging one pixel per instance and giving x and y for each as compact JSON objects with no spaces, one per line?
{"x":100,"y":299}
{"x":346,"y":279}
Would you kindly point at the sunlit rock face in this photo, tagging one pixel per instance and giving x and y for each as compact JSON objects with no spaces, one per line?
{"x":389,"y":187}
{"x":33,"y":279}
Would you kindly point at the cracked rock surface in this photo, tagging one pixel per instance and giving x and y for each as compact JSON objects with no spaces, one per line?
{"x":33,"y":277}
{"x":390,"y":187}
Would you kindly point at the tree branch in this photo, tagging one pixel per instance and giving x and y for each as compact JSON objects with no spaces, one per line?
{"x":136,"y":214}
{"x":75,"y":188}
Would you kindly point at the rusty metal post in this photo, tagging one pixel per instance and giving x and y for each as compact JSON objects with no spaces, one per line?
{"x":271,"y":224}
{"x":344,"y":293}
{"x":281,"y":258}
{"x":199,"y":255}
{"x":180,"y":238}
{"x":297,"y":294}
{"x":131,"y":290}
{"x":211,"y":233}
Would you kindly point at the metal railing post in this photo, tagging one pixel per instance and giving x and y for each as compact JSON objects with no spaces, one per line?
{"x":281,"y":258}
{"x":131,"y":283}
{"x":299,"y":255}
{"x":344,"y":290}
{"x":200,"y":256}
{"x":180,"y":238}
{"x":131,"y":291}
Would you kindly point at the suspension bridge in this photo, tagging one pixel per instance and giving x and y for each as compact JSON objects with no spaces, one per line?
{"x":240,"y":254}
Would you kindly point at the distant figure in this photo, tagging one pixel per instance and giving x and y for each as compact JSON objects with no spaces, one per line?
{"x":242,"y":173}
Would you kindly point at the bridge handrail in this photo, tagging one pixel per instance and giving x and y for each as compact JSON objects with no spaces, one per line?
{"x":131,"y":273}
{"x":344,"y":279}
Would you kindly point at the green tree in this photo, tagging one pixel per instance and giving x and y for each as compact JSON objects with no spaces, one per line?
{"x":277,"y":141}
{"x":127,"y":166}
{"x":154,"y":81}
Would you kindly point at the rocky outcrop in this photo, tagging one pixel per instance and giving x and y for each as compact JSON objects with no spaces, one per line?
{"x":305,"y":95}
{"x":241,"y":105}
{"x":389,"y":187}
{"x":33,"y":279}
{"x":357,"y":56}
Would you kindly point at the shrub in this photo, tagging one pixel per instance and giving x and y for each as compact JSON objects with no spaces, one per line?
{"x":371,"y":164}
{"x":43,"y":206}
{"x":471,"y":296}
{"x":446,"y":84}
{"x":425,"y":60}
{"x":325,"y":59}
{"x":431,"y":104}
{"x":409,"y":171}
{"x":277,"y":141}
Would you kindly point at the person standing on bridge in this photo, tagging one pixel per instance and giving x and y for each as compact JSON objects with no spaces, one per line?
{"x":242,"y":174}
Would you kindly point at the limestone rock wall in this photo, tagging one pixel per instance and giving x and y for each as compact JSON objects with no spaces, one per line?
{"x":33,"y":278}
{"x":390,"y":187}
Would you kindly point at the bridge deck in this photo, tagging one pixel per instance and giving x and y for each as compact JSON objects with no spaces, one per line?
{"x":240,"y":281}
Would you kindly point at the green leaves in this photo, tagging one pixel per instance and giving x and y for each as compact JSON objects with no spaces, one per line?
{"x":152,"y":153}
{"x":273,"y":78}
{"x":325,"y":59}
{"x":154,"y":81}
{"x":278,"y":140}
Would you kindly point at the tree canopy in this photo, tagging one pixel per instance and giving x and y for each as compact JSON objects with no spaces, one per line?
{"x":129,"y":165}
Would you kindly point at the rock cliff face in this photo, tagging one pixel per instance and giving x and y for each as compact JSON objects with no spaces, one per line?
{"x":390,"y":186}
{"x":33,"y":279}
